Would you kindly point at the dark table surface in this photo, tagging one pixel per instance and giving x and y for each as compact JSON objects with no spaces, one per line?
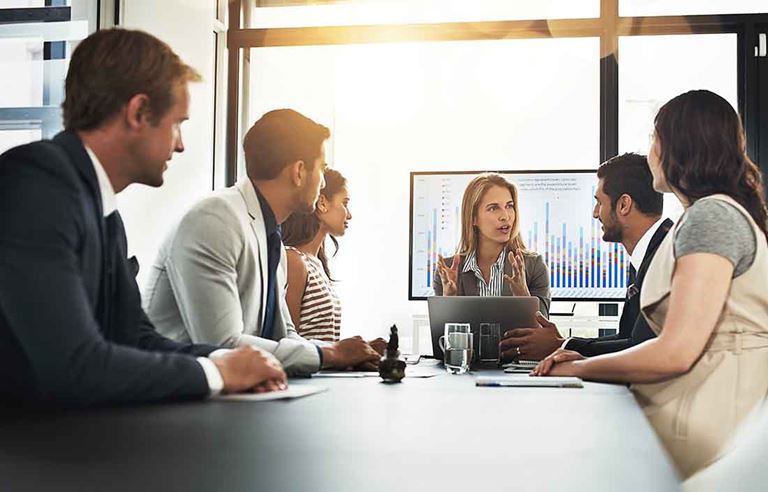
{"x":441,"y":433}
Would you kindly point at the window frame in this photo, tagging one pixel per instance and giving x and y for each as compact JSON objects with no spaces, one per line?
{"x":608,"y":27}
{"x":46,"y":117}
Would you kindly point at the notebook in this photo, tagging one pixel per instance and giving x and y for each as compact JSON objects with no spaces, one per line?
{"x":524,"y":381}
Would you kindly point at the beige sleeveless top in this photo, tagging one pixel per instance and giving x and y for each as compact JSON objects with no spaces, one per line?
{"x":697,"y":413}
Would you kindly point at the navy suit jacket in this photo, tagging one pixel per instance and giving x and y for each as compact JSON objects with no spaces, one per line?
{"x":633,"y":329}
{"x":72,"y":329}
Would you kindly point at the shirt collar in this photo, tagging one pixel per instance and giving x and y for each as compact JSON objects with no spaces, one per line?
{"x":270,"y":222}
{"x":470,"y":265}
{"x":642,"y":245}
{"x":108,"y":198}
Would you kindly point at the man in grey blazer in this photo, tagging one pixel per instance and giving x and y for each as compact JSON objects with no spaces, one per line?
{"x":220,"y":275}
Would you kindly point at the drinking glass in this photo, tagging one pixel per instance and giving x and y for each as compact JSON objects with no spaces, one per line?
{"x":457,"y":347}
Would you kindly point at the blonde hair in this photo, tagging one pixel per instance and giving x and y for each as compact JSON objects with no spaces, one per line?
{"x":470,"y":204}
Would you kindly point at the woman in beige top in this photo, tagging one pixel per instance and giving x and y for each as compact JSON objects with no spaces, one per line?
{"x":706,"y":292}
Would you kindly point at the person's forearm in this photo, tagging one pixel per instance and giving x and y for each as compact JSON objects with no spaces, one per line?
{"x":648,"y":362}
{"x":330,"y":358}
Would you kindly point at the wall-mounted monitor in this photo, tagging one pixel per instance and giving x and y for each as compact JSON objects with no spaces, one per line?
{"x":555,"y":221}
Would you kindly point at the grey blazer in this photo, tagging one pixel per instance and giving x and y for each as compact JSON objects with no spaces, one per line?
{"x":536,"y":276}
{"x":207,"y":283}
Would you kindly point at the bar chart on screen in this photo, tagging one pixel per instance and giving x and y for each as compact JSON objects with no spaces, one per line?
{"x":555,"y":222}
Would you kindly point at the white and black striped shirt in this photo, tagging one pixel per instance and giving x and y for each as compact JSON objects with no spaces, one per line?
{"x":320,"y":317}
{"x":495,"y":284}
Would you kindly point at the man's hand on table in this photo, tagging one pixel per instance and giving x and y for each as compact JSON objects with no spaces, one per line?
{"x":350,"y":352}
{"x":531,"y":343}
{"x":248,"y":369}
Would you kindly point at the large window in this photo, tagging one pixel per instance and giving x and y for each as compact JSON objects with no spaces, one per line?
{"x":654,"y":69}
{"x":36,"y":41}
{"x":440,"y":85}
{"x":483,"y":105}
{"x":401,"y":107}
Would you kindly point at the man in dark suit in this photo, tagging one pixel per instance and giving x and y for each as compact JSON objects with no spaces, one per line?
{"x":629,"y":210}
{"x":72,"y":330}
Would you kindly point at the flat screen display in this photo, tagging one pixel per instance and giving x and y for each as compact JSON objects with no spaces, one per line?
{"x":555,"y":221}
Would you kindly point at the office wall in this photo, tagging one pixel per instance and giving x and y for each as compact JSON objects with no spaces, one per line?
{"x":186,"y":25}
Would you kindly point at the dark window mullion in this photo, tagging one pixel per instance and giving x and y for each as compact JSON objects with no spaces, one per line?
{"x":609,"y":80}
{"x":756,"y":88}
{"x":234,"y":68}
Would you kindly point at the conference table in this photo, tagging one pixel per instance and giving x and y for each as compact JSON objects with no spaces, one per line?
{"x":441,"y":433}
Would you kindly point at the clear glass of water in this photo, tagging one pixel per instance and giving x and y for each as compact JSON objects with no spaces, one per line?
{"x":457,"y":347}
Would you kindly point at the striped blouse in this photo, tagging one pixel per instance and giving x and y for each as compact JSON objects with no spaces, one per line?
{"x":320,"y":317}
{"x":495,"y":283}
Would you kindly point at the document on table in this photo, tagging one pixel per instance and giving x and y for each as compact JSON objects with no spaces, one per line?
{"x":412,"y":371}
{"x":523,"y":381}
{"x":345,"y":374}
{"x":292,"y":392}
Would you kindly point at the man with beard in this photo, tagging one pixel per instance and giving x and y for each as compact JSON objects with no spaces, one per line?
{"x":220,"y":275}
{"x":629,"y":210}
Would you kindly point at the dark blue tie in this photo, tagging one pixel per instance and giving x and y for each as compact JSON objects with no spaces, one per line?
{"x":632,"y":290}
{"x":274,"y":244}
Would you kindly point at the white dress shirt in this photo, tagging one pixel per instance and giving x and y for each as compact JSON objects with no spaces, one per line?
{"x":109,"y":205}
{"x":638,"y":255}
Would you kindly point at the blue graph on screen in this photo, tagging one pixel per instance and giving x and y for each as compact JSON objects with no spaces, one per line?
{"x":555,"y":221}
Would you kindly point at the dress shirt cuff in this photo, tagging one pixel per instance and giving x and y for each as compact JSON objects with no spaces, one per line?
{"x":320,"y":354}
{"x":219,"y":352}
{"x":564,"y":346}
{"x":212,"y":375}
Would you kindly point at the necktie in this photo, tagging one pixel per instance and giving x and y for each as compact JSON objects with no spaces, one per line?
{"x":631,"y":290}
{"x":274,"y":244}
{"x":111,"y":226}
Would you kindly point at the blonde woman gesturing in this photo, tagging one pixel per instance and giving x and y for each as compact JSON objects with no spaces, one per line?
{"x":492,"y":259}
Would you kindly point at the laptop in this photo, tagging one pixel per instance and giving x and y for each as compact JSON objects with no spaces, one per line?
{"x":508,"y":312}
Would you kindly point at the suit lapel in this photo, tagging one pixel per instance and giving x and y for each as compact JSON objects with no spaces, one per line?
{"x":467,"y":283}
{"x":81,"y":161}
{"x":506,"y":290}
{"x":73,"y":146}
{"x":245,"y":187}
{"x":653,"y":245}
